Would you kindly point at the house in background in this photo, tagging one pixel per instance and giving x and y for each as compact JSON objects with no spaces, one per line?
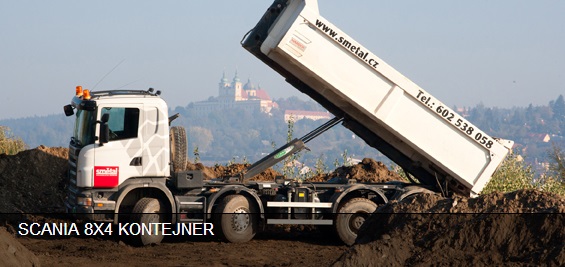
{"x":545,"y":138}
{"x":296,"y":115}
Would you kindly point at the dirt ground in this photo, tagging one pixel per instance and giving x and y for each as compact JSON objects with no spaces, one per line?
{"x":522,"y":228}
{"x":272,"y":249}
{"x":13,"y":253}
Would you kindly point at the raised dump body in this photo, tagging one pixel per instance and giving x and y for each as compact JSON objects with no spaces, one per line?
{"x":390,"y":112}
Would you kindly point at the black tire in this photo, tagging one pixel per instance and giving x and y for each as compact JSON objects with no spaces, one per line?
{"x":350,"y":218}
{"x":146,"y":211}
{"x":236,"y":219}
{"x":179,"y":152}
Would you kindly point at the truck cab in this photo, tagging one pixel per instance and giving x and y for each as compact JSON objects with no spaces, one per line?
{"x":118,"y":135}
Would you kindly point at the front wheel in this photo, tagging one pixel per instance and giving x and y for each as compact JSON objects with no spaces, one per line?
{"x":237,"y":219}
{"x":350,"y":218}
{"x":146,"y":212}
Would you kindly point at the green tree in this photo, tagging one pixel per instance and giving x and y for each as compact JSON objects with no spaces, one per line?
{"x":559,"y":108}
{"x":513,"y":174}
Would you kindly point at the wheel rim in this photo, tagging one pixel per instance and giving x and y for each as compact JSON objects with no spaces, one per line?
{"x":240,"y":220}
{"x":356,"y":221}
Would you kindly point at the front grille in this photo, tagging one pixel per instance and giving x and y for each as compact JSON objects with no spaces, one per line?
{"x":72,"y":189}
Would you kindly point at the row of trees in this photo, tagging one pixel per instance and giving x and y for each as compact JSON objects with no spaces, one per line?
{"x":525,"y":125}
{"x":521,"y":120}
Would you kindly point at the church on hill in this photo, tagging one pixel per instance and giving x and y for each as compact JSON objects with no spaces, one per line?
{"x":237,"y":95}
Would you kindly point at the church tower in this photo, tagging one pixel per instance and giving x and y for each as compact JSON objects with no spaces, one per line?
{"x":238,"y":89}
{"x":224,"y":89}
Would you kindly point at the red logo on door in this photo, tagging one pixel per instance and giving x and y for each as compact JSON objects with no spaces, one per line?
{"x":106,"y":176}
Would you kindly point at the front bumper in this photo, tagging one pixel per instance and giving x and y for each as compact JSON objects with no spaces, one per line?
{"x":102,"y":211}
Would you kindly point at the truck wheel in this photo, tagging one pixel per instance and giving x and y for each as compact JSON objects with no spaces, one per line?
{"x":146,"y":211}
{"x":237,"y":219}
{"x":350,"y":218}
{"x":177,"y":136}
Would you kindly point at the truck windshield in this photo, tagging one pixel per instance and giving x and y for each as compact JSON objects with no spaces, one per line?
{"x":84,"y":128}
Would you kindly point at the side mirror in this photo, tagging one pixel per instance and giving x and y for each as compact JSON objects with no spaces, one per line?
{"x":104,"y":130}
{"x":68,"y":110}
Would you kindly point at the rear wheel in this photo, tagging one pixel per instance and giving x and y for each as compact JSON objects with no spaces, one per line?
{"x":351,"y":216}
{"x":145,"y":212}
{"x":236,"y":219}
{"x":178,"y":140}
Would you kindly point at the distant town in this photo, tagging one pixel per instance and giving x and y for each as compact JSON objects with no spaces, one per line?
{"x":248,"y":96}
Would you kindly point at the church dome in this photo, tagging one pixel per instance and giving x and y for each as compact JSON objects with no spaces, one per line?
{"x":249,"y":85}
{"x":224,"y":80}
{"x":236,"y":78}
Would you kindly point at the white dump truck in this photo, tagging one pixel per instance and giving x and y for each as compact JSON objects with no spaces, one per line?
{"x":126,"y":163}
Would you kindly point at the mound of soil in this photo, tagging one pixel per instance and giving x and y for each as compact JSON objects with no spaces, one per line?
{"x":13,"y":253}
{"x":33,"y":181}
{"x":368,"y":170}
{"x":232,"y":170}
{"x":524,"y":227}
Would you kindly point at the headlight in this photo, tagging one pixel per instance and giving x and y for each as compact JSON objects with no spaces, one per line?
{"x":84,"y":201}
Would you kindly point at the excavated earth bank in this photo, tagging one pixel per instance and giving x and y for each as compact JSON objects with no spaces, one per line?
{"x":33,"y":181}
{"x":525,"y":227}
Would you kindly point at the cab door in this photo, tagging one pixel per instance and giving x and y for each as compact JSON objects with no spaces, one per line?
{"x":120,"y":158}
{"x":155,"y":130}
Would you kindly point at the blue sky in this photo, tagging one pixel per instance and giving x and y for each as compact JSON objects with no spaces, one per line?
{"x":499,"y":53}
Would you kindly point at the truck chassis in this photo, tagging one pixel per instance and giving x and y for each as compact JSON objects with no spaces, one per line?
{"x":237,"y":208}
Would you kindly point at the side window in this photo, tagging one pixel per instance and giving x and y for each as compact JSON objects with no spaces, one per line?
{"x":123,"y":122}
